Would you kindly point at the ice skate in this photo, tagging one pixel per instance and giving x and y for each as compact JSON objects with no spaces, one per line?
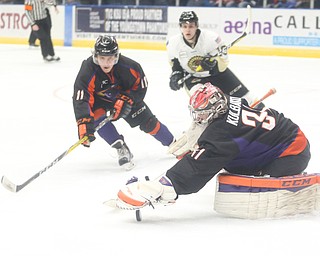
{"x":33,"y":46}
{"x":51,"y":58}
{"x":124,"y":154}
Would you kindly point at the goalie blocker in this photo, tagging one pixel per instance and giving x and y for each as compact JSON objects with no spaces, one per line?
{"x":251,"y":197}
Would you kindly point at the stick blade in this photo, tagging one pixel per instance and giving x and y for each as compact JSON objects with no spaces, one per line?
{"x":8,"y":184}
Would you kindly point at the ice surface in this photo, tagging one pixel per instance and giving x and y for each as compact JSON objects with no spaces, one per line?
{"x":62,"y":212}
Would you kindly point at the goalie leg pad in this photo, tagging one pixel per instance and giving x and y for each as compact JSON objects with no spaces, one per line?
{"x":260,"y":197}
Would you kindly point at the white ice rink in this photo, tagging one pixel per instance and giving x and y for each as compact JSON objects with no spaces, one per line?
{"x":62,"y":212}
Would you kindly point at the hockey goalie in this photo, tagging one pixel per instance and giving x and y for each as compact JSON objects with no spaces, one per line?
{"x":263,"y":153}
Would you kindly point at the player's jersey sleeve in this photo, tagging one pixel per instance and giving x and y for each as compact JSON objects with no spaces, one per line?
{"x":209,"y":41}
{"x":84,"y":88}
{"x":131,"y":78}
{"x":172,"y":47}
{"x":216,"y":149}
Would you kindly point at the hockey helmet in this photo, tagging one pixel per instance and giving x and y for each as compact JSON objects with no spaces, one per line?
{"x":207,"y":103}
{"x":106,"y":46}
{"x":188,"y":17}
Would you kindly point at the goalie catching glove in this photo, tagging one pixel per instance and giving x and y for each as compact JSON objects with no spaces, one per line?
{"x":138,"y":194}
{"x":86,"y":128}
{"x":122,"y":106}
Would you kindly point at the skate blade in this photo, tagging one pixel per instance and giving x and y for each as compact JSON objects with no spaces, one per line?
{"x":128,"y":166}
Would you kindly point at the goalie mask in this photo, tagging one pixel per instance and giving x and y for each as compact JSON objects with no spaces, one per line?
{"x":188,"y":17}
{"x":207,"y":103}
{"x":106,"y":46}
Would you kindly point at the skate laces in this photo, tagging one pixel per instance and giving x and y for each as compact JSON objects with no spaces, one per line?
{"x":124,"y":152}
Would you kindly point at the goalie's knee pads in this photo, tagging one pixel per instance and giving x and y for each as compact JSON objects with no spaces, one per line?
{"x":261,"y":197}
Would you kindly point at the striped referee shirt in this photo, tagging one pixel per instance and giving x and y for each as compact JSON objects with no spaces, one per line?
{"x":36,"y":9}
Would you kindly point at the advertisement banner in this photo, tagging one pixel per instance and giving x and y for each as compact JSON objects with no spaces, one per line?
{"x":269,"y":27}
{"x":126,"y":23}
{"x":15,"y":25}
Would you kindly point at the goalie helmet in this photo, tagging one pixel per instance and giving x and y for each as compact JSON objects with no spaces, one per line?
{"x":106,"y":46}
{"x":188,"y":17}
{"x":207,"y":103}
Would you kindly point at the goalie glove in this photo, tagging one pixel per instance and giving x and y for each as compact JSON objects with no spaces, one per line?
{"x":188,"y":141}
{"x":138,"y":194}
{"x":122,"y":106}
{"x":86,"y":128}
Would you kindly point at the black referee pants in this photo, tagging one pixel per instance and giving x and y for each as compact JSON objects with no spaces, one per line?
{"x":44,"y":35}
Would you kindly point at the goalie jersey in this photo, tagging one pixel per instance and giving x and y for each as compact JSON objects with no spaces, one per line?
{"x":243,"y":141}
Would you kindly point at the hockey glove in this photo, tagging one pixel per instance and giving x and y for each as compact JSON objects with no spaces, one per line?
{"x":188,"y":142}
{"x":122,"y":106}
{"x":138,"y":194}
{"x":209,"y":63}
{"x":214,"y":65}
{"x":174,"y":79}
{"x":86,"y":128}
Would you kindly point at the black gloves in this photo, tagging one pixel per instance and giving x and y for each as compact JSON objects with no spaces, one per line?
{"x":174,"y":78}
{"x":122,"y":106}
{"x":86,"y":128}
{"x":209,"y":63}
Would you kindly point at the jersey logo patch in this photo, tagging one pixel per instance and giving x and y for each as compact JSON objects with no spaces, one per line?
{"x":194,"y":62}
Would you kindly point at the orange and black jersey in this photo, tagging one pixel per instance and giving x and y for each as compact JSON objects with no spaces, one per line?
{"x":95,"y":89}
{"x":248,"y":139}
{"x":244,"y":141}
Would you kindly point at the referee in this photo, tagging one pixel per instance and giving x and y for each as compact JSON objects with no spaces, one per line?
{"x":37,"y":16}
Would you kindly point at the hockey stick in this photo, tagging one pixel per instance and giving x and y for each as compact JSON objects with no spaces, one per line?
{"x":225,"y":48}
{"x":16,"y":188}
{"x":269,"y":93}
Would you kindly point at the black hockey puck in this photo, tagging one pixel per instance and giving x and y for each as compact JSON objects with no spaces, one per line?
{"x":138,"y":215}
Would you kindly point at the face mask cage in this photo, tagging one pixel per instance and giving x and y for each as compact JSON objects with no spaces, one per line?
{"x":204,"y":108}
{"x":201,"y":116}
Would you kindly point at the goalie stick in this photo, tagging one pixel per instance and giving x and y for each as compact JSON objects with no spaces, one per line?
{"x":16,"y":188}
{"x":269,"y":93}
{"x":226,"y":47}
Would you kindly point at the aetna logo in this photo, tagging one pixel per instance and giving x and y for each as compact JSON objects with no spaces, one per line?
{"x":279,"y":22}
{"x":239,"y":26}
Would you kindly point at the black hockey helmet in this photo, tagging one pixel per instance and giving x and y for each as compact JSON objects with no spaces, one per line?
{"x":106,"y":46}
{"x":187,"y":17}
{"x":207,"y":103}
